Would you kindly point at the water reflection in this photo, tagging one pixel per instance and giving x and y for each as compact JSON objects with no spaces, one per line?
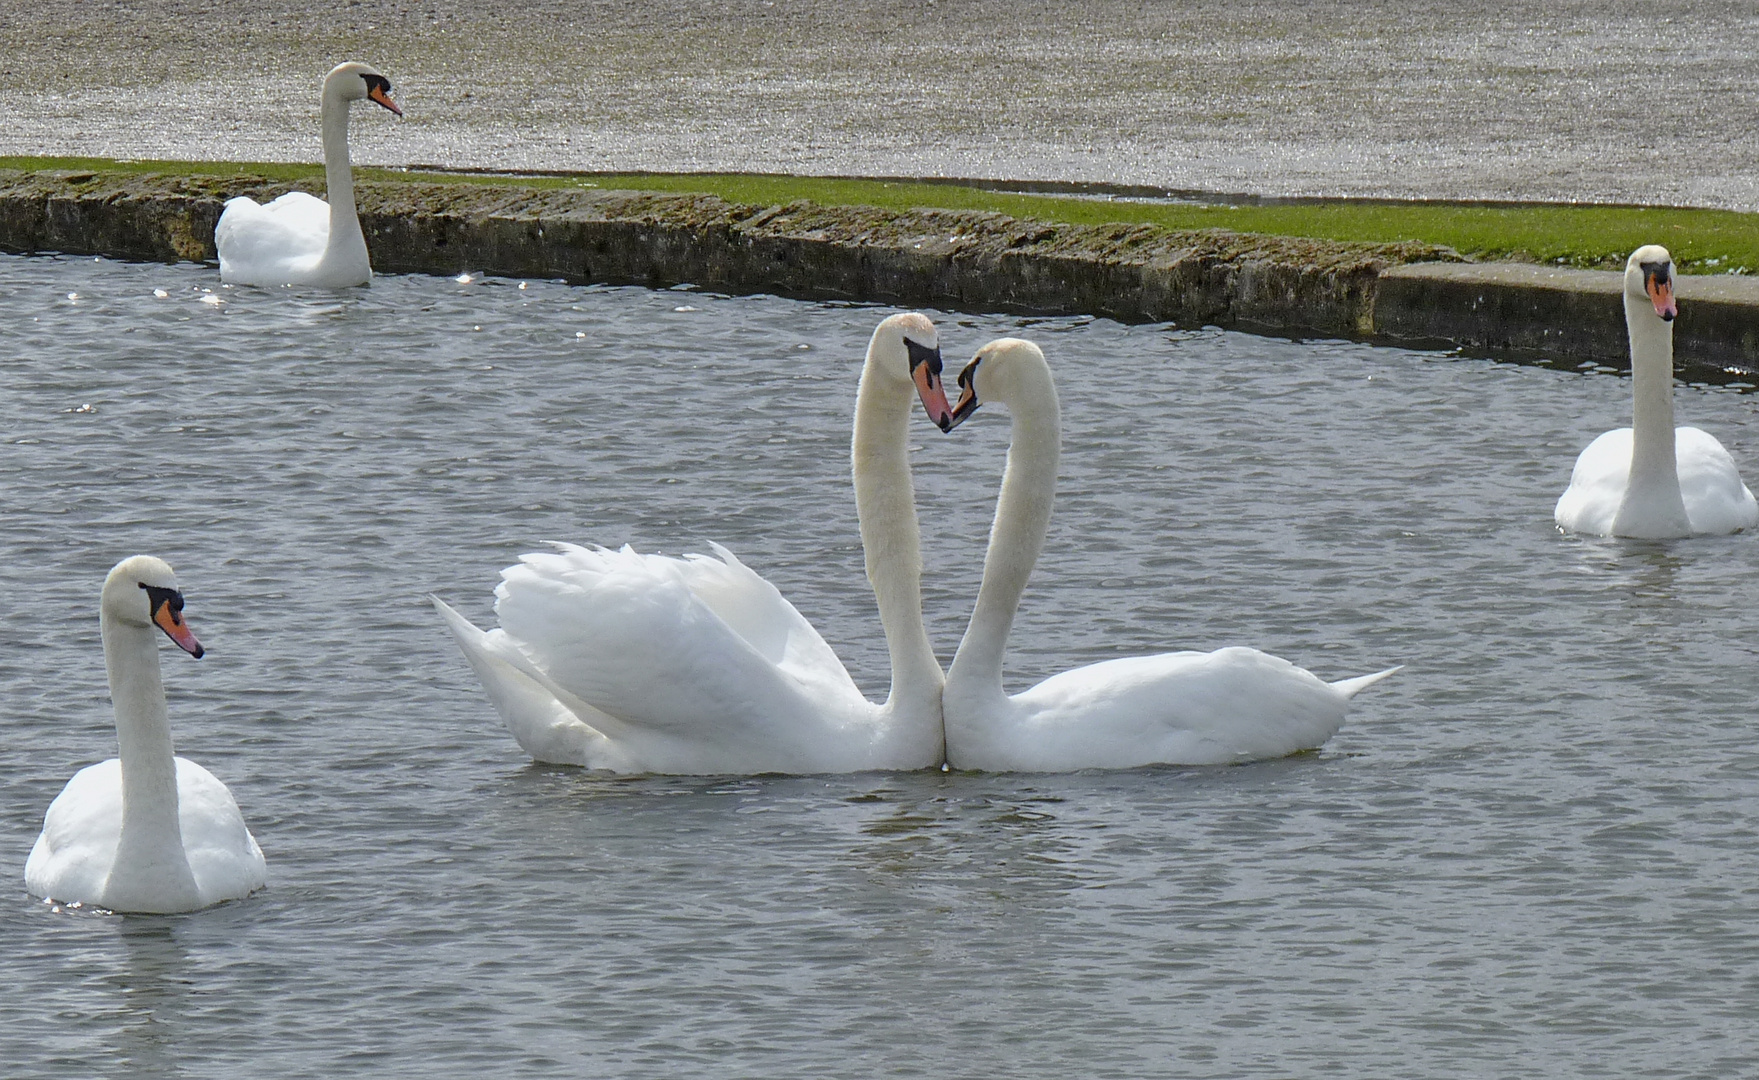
{"x":967,"y":831}
{"x":1645,"y":569}
{"x":1652,"y":570}
{"x":152,"y":979}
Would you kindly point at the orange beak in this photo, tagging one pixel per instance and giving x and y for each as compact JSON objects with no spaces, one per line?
{"x":378,"y":95}
{"x":967,"y":405}
{"x":928,"y":387}
{"x":967,"y":395}
{"x":177,"y":630}
{"x":1660,"y":292}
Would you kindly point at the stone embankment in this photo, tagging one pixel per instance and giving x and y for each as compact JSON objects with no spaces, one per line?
{"x":954,"y":260}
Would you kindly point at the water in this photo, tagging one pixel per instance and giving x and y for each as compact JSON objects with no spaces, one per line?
{"x":1531,"y":853}
{"x":1597,"y":100}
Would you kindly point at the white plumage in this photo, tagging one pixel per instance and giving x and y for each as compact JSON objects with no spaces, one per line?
{"x":671,"y":665}
{"x":145,"y":831}
{"x":1711,"y":492}
{"x":1182,"y":708}
{"x":1652,"y":480}
{"x":74,"y":855}
{"x":299,"y":239}
{"x":645,"y":663}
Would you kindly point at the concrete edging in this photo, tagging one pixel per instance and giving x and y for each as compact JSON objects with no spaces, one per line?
{"x":1566,"y":313}
{"x":956,"y":260}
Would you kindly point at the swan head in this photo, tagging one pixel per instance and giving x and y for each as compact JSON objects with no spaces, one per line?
{"x":353,"y":81}
{"x":1010,"y":371}
{"x":141,"y":592}
{"x":906,"y":349}
{"x":1649,"y":276}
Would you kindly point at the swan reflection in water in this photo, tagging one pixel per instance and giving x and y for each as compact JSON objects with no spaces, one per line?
{"x":151,"y":985}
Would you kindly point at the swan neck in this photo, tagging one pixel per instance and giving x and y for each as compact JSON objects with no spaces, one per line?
{"x":1016,"y":538}
{"x":1653,"y":504}
{"x":885,"y":502}
{"x":1652,"y":418}
{"x":338,"y":173}
{"x":151,"y":842}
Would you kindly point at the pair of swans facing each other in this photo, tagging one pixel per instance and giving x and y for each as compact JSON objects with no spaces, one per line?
{"x":1651,"y":480}
{"x":299,"y":239}
{"x":643,"y":663}
{"x":145,"y":831}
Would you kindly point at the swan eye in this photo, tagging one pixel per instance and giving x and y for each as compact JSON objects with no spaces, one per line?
{"x":378,"y":91}
{"x":969,"y":373}
{"x":922,"y":354}
{"x":1656,"y":272}
{"x":158,"y":598}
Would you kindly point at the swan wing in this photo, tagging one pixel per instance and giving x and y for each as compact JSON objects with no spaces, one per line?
{"x":1597,"y":485}
{"x":699,"y":659}
{"x":758,"y":612}
{"x":73,"y":855}
{"x":223,"y":856}
{"x":1710,"y":484}
{"x":1182,"y":708}
{"x":544,"y":726}
{"x":265,"y":244}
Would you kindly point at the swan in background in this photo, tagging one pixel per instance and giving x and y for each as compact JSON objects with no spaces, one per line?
{"x":643,"y":663}
{"x":1652,"y":480}
{"x":1182,"y":708}
{"x":146,"y":831}
{"x":298,"y":239}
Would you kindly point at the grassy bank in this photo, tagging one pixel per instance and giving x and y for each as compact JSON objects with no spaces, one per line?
{"x":1702,"y":241}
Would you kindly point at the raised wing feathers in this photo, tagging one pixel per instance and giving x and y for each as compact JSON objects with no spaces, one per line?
{"x":545,"y":727}
{"x":696,"y":648}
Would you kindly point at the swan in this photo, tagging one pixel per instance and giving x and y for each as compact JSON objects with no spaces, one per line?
{"x":642,"y":663}
{"x":1182,"y":708}
{"x":298,"y":239}
{"x":146,"y":831}
{"x":1652,"y":480}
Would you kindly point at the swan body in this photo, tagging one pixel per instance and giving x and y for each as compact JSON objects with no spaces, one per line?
{"x":1182,"y":708}
{"x":298,"y":239}
{"x":146,"y":831}
{"x":644,"y":663}
{"x":1652,"y":480}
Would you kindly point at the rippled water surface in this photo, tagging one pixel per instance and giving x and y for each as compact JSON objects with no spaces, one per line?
{"x":1530,"y":854}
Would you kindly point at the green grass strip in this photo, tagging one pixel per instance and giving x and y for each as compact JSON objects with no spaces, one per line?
{"x":1702,"y":241}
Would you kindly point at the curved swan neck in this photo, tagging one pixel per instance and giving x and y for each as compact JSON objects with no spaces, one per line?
{"x":1653,"y":493}
{"x":1652,"y":421}
{"x":885,"y":502}
{"x":1023,"y":512}
{"x":338,"y":173}
{"x":149,"y":854}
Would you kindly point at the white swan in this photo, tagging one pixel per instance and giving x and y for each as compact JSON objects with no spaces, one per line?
{"x":298,"y":239}
{"x":642,"y":663}
{"x":146,"y":831}
{"x":1652,"y":480}
{"x":1183,"y":708}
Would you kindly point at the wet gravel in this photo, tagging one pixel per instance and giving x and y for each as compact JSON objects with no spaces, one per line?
{"x":1603,"y":101}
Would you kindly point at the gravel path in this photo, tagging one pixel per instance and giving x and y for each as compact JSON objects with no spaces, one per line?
{"x":1604,"y":101}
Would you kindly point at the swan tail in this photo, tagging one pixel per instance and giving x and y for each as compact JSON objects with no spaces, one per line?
{"x":1351,"y":687}
{"x":543,"y":726}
